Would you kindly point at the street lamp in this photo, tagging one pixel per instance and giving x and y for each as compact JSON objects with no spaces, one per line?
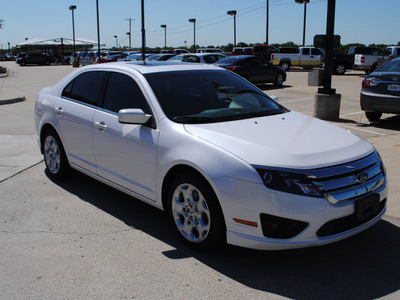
{"x":165,"y":35}
{"x":267,"y":23}
{"x":116,"y":41}
{"x":305,"y":13}
{"x":130,"y":32}
{"x":233,"y":13}
{"x":194,"y":33}
{"x":72,"y":8}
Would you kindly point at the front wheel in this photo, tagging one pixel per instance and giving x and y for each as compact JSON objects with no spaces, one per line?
{"x":195,"y":212}
{"x":54,"y":155}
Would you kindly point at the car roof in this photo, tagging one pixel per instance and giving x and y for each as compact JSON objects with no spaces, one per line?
{"x":148,"y":67}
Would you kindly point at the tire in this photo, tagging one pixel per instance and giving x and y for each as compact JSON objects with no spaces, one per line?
{"x":340,"y":69}
{"x":285,"y":65}
{"x":373,"y":116}
{"x":278,"y":79}
{"x":23,"y":63}
{"x":195,"y":212}
{"x":55,"y":159}
{"x":47,"y":63}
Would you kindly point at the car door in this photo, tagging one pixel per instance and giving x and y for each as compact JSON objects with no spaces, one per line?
{"x":125,"y":153}
{"x":259,"y":69}
{"x":75,"y":109}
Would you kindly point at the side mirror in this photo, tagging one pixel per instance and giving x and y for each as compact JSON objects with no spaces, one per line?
{"x":132,"y":116}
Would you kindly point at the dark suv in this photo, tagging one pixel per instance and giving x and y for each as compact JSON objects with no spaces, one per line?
{"x":34,"y":59}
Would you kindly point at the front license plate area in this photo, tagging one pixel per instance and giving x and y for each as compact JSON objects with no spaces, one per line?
{"x":366,"y":208}
{"x":394,"y":87}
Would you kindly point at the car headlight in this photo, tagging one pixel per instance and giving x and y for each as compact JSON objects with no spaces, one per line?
{"x":288,"y":182}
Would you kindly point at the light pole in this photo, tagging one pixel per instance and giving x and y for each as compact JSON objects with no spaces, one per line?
{"x":267,"y":24}
{"x":233,"y":13}
{"x":194,"y":33}
{"x":9,"y":50}
{"x":98,"y":30}
{"x":305,"y":13}
{"x":116,"y":41}
{"x":72,"y":8}
{"x":165,"y":35}
{"x":130,"y":32}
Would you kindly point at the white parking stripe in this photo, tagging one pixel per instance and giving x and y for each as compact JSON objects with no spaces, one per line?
{"x":363,"y":130}
{"x":296,"y":100}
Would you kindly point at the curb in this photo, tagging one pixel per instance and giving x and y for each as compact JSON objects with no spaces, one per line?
{"x":11,"y":101}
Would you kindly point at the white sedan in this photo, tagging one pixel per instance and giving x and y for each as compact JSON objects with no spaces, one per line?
{"x":201,"y":58}
{"x":225,"y":161}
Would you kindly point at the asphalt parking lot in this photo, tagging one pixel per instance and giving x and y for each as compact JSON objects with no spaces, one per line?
{"x":80,"y":239}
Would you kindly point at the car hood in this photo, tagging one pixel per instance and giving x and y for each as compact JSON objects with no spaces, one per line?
{"x":290,"y":140}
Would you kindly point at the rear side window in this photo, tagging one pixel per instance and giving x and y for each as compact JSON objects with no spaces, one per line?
{"x":123,"y":92}
{"x":306,"y":51}
{"x":86,"y":88}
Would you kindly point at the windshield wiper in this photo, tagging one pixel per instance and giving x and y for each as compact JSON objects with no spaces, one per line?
{"x":195,"y":119}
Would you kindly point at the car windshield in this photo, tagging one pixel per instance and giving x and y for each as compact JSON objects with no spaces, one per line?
{"x":206,"y":96}
{"x":391,"y":66}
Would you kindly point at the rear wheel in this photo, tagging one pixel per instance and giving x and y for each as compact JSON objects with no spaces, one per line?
{"x":285,"y":65}
{"x":54,"y":155}
{"x":340,"y":69}
{"x":195,"y":212}
{"x":278,"y":79}
{"x":373,"y":116}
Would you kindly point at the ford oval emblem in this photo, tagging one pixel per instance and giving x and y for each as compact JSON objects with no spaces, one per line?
{"x":362,"y":177}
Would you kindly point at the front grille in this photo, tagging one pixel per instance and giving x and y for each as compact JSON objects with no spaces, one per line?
{"x":349,"y":181}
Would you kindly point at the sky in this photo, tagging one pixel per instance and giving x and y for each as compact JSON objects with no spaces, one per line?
{"x":356,"y":21}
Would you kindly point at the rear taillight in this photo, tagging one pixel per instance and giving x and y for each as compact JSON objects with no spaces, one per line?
{"x":391,"y":57}
{"x":231,"y":68}
{"x":368,"y":83}
{"x":272,"y":57}
{"x":362,"y":59}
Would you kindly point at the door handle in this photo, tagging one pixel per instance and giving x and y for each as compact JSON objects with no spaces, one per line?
{"x":59,"y":110}
{"x":101,"y":125}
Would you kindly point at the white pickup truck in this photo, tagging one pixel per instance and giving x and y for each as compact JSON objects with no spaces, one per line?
{"x":369,"y":60}
{"x":306,"y":57}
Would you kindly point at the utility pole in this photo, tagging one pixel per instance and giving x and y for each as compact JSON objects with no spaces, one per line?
{"x":130,"y":32}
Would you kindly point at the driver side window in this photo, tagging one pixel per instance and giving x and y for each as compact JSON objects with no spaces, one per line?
{"x":123,"y":92}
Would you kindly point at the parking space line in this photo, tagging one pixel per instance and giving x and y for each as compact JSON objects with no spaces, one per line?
{"x":363,"y":130}
{"x":353,"y":113}
{"x":296,"y":100}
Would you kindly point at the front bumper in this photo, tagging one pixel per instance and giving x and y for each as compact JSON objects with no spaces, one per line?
{"x":251,"y":201}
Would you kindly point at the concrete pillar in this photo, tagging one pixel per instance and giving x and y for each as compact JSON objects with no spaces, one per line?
{"x":327,"y":106}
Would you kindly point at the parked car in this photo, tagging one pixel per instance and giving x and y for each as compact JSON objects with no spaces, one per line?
{"x":265,"y":51}
{"x":254,"y":68}
{"x":392,"y":52}
{"x":110,"y":56}
{"x":81,"y":56}
{"x":368,"y":61}
{"x":124,"y":55}
{"x":137,"y":56}
{"x":221,"y":158}
{"x":242,"y":51}
{"x":34,"y":59}
{"x":161,"y":56}
{"x":209,"y":50}
{"x":380,"y":91}
{"x":202,"y":58}
{"x":344,"y":62}
{"x":306,"y":57}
